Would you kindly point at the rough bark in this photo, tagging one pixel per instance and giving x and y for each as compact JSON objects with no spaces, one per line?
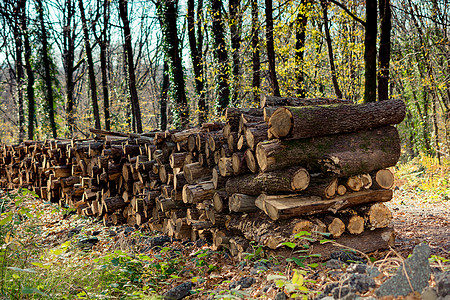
{"x":123,"y":12}
{"x":370,"y":52}
{"x":297,"y":205}
{"x":242,"y":203}
{"x":256,"y":64}
{"x":384,"y":52}
{"x":271,"y":49}
{"x":268,"y":101}
{"x":342,"y":154}
{"x":307,"y":121}
{"x":287,"y":180}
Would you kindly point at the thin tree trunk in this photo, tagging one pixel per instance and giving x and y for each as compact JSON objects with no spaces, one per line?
{"x":28,"y":67}
{"x":385,"y":49}
{"x":220,"y":53}
{"x":19,"y":71}
{"x":103,"y":64}
{"x":300,"y":41}
{"x":235,"y":23}
{"x":196,"y":56}
{"x":256,"y":81}
{"x":370,"y":52}
{"x":90,"y":61}
{"x":337,"y":90}
{"x":47,"y":71}
{"x":123,"y":12}
{"x":271,"y":49}
{"x":167,"y":10}
{"x":68,"y":56}
{"x":164,"y":96}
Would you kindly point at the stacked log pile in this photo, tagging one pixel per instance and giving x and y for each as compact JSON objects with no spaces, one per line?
{"x":319,"y":165}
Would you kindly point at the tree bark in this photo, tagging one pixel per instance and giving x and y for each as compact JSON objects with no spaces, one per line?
{"x":370,"y":52}
{"x":69,"y":58}
{"x":256,"y":64}
{"x":196,"y":45}
{"x":47,"y":72}
{"x":165,"y":85}
{"x":270,"y":49}
{"x":167,"y":10}
{"x":384,"y":54}
{"x":103,"y":64}
{"x":269,"y":101}
{"x":300,"y":42}
{"x":343,"y":154}
{"x":287,"y":180}
{"x":337,"y":90}
{"x":20,"y":76}
{"x":235,"y":32}
{"x":297,"y":205}
{"x":221,"y":56}
{"x":123,"y":12}
{"x":307,"y":121}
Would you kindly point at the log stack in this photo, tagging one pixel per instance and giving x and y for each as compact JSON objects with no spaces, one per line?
{"x":265,"y":175}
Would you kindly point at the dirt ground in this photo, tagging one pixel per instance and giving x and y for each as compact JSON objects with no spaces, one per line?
{"x":417,"y":217}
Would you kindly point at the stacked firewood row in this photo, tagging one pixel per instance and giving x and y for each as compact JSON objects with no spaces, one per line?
{"x":317,"y":165}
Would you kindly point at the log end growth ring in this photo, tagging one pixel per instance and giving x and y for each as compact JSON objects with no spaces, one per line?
{"x":281,"y":122}
{"x":300,"y":180}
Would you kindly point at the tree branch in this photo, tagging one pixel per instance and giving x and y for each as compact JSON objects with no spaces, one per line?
{"x":353,"y":16}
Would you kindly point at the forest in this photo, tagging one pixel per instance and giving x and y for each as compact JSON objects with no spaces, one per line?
{"x":138,"y":66}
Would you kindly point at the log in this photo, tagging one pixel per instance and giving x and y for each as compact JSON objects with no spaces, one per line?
{"x":353,"y":223}
{"x":307,"y":121}
{"x":266,"y":101}
{"x":195,"y":172}
{"x":287,"y":180}
{"x":254,"y":135}
{"x":198,"y":193}
{"x":225,"y":166}
{"x":218,"y":180}
{"x":112,"y":204}
{"x":220,"y":201}
{"x":176,"y":160}
{"x":239,"y":164}
{"x":250,"y":160}
{"x":354,"y":183}
{"x":341,"y":154}
{"x":382,"y":179}
{"x":297,"y":205}
{"x":242,"y":203}
{"x":335,"y":226}
{"x":377,"y":215}
{"x":324,"y":187}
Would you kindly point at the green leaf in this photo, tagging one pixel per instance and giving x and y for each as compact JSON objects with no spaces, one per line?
{"x":313,"y":265}
{"x":289,"y":244}
{"x":297,"y":261}
{"x":30,"y":290}
{"x":6,"y":220}
{"x":21,"y":270}
{"x":276,"y":277}
{"x":302,"y":233}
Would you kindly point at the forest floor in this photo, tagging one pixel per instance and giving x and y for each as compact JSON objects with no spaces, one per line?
{"x":47,"y":252}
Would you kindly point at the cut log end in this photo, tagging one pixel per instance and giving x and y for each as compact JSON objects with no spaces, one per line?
{"x":281,"y":122}
{"x":300,"y":180}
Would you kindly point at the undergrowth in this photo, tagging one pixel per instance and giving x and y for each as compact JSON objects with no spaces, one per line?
{"x":424,"y":174}
{"x":30,"y":269}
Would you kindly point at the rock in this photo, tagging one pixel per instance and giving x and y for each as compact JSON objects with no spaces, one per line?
{"x":341,"y":291}
{"x":429,"y":293}
{"x":360,"y":282}
{"x":243,"y":283}
{"x":258,"y":267}
{"x":443,"y":284}
{"x":350,"y":296}
{"x":346,"y":257}
{"x":159,"y":240}
{"x":328,"y":298}
{"x":334,"y":264}
{"x":418,"y":270}
{"x":357,"y":268}
{"x":178,"y":292}
{"x":280,"y":296}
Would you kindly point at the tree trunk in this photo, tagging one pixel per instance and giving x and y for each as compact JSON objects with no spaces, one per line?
{"x":287,"y":180}
{"x":123,"y":12}
{"x":167,"y":10}
{"x":300,"y":42}
{"x":307,"y":121}
{"x":165,"y":85}
{"x":69,"y":58}
{"x":19,"y":70}
{"x":221,"y":56}
{"x":47,"y":71}
{"x":196,"y":45}
{"x":370,"y":52}
{"x":343,"y":154}
{"x":103,"y":64}
{"x":384,"y":55}
{"x":90,"y":61}
{"x":30,"y":73}
{"x":256,"y":81}
{"x":235,"y":32}
{"x":270,"y":49}
{"x":337,"y":90}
